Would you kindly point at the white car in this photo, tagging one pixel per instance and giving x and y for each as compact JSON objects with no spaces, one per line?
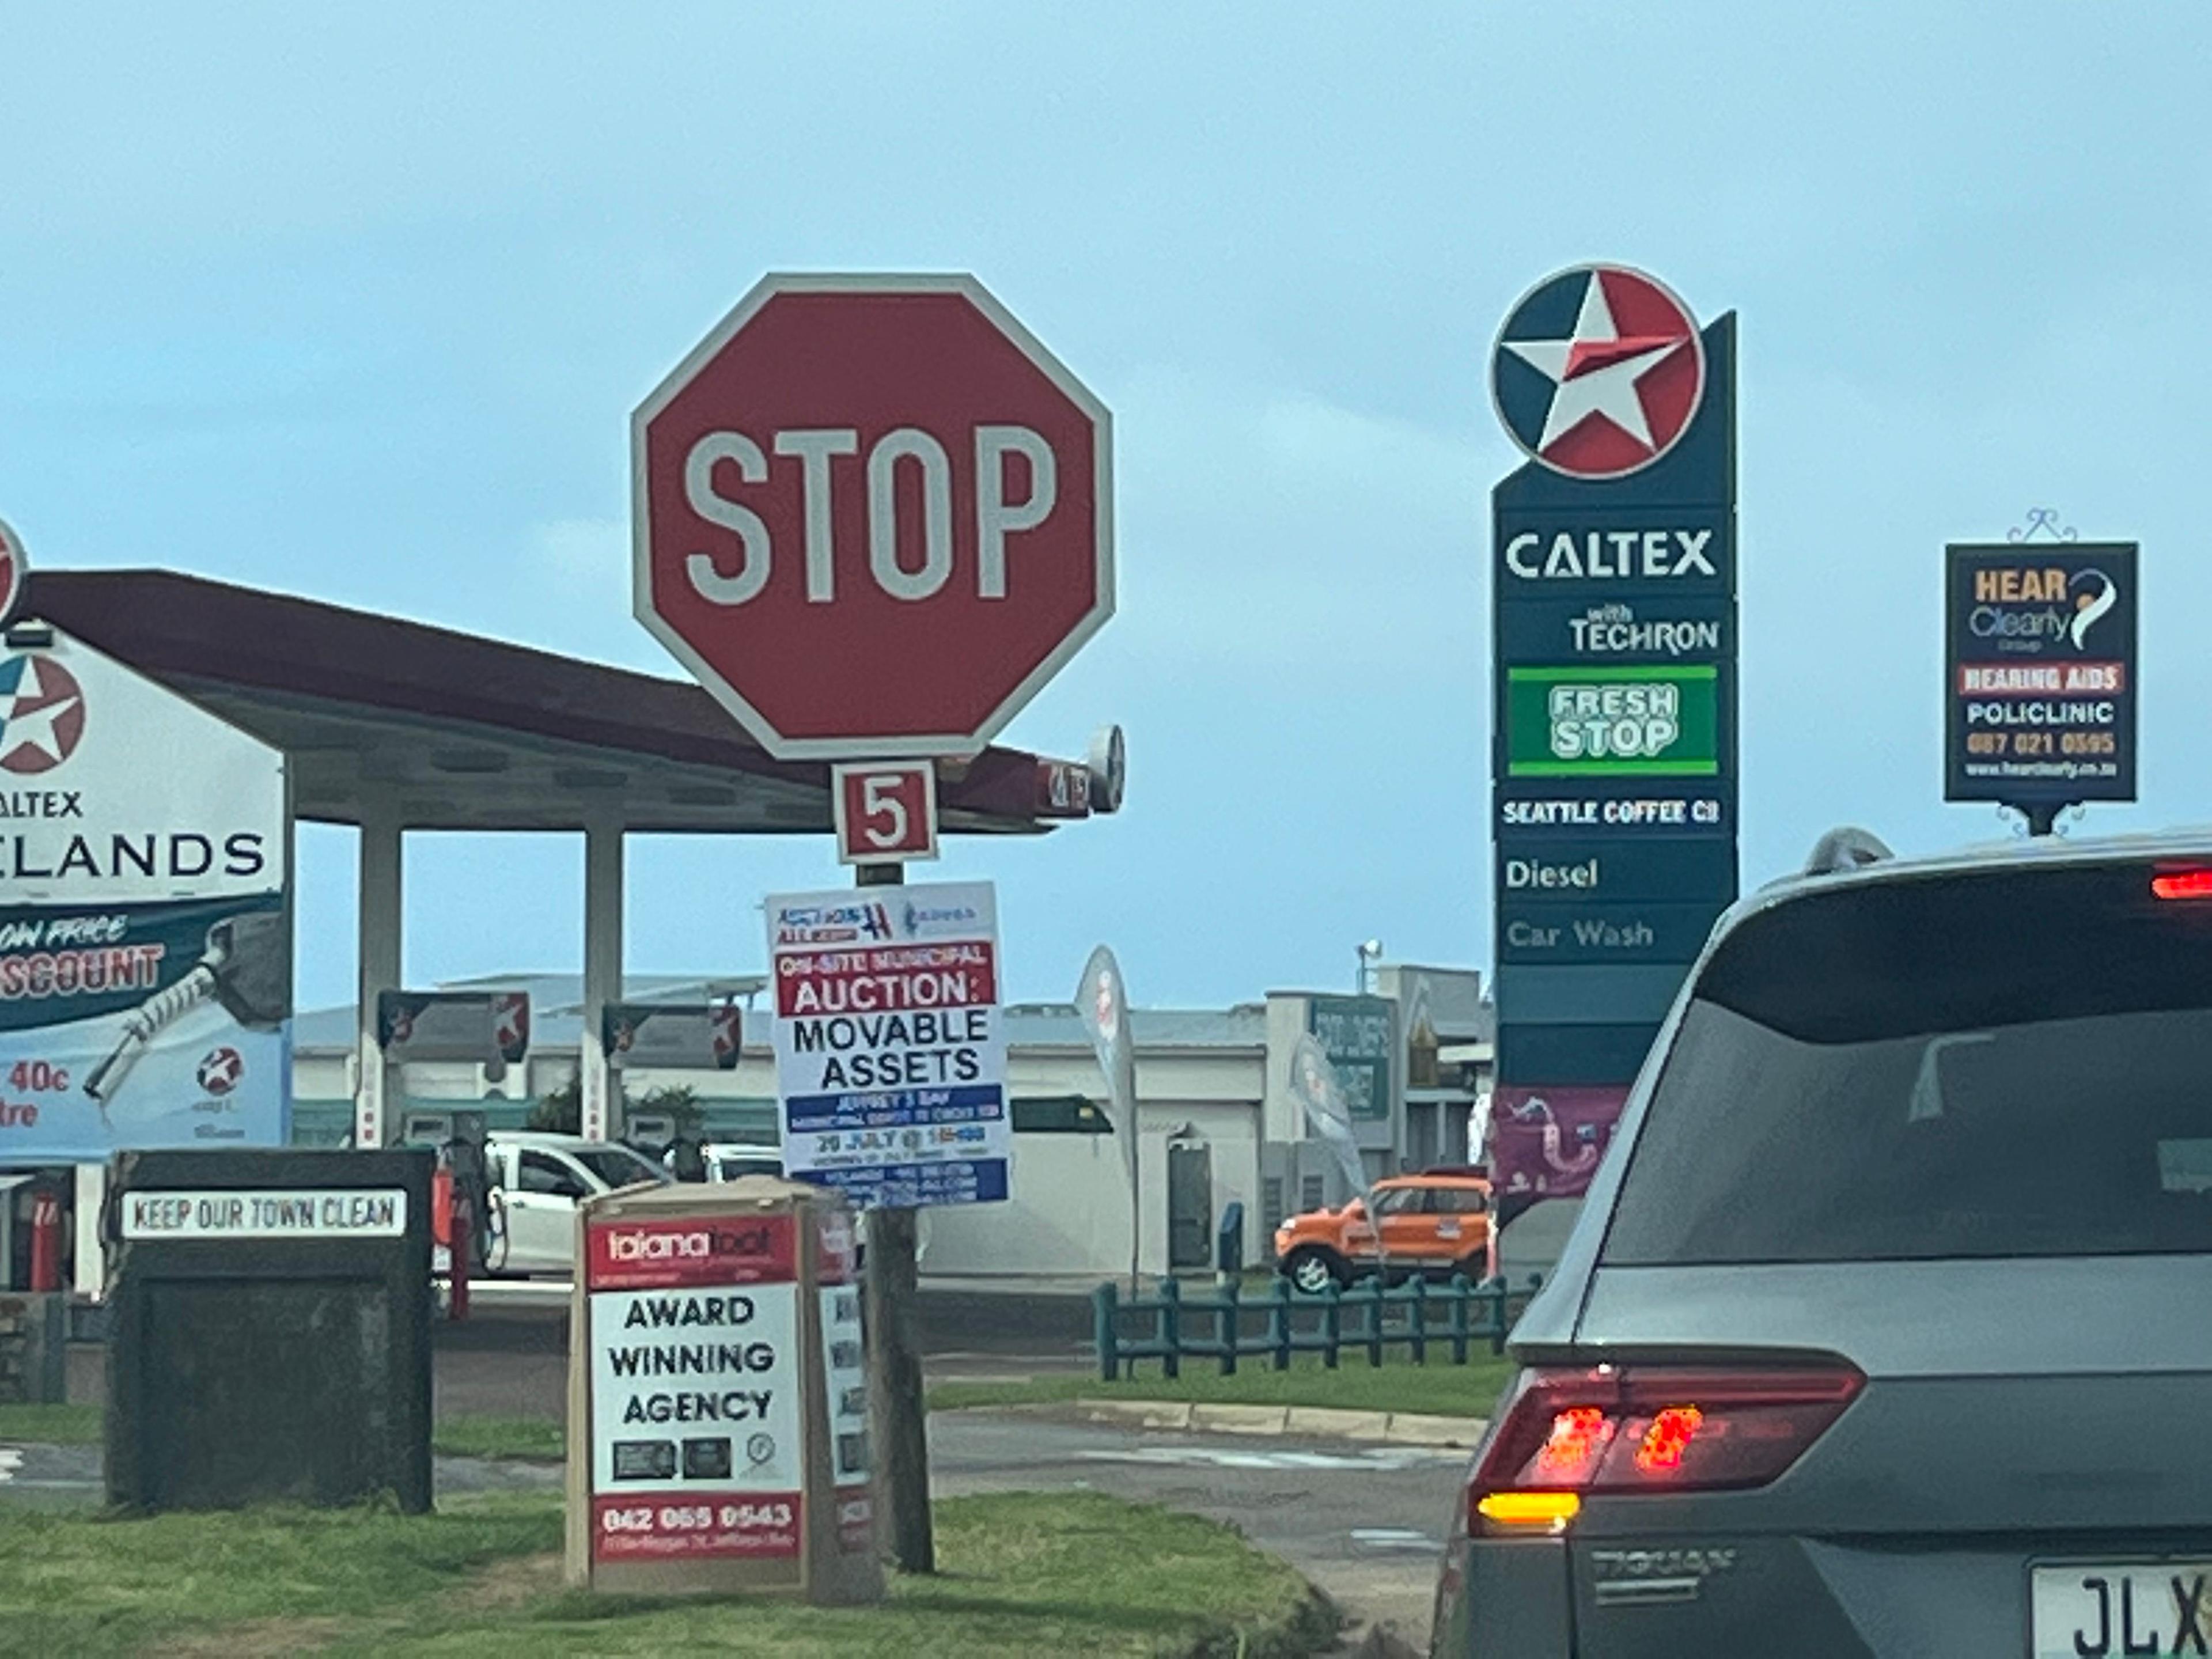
{"x":537,"y":1181}
{"x":727,"y":1160}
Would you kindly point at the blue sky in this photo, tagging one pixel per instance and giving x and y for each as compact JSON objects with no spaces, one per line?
{"x":355,"y":303}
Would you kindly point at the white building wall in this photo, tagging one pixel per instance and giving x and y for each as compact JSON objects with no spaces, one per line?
{"x":1068,"y":1213}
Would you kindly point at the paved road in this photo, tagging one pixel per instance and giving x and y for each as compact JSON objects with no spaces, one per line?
{"x":69,"y":1476}
{"x":510,"y":1356}
{"x":1365,"y":1523}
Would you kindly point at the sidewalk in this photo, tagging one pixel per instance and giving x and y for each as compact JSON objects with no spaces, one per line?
{"x":1302,"y":1422}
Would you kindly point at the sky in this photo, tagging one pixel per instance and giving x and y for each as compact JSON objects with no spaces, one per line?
{"x":355,"y":303}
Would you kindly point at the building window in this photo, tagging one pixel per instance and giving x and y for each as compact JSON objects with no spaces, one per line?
{"x":1060,"y":1115}
{"x":1313,"y":1193}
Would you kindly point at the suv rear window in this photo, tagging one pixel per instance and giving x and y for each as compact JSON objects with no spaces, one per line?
{"x":2010,"y":1063}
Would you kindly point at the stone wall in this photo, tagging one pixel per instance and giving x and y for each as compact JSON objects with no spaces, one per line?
{"x":33,"y":1348}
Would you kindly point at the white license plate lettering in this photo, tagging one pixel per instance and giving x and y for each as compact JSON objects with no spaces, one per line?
{"x":2122,"y":1610}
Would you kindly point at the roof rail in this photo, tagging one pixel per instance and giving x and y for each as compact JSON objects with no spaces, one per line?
{"x":1846,"y":848}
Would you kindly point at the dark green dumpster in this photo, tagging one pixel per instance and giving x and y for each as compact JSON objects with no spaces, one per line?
{"x":271,"y":1334}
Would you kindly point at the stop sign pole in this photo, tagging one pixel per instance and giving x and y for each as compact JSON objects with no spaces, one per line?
{"x":873,"y":516}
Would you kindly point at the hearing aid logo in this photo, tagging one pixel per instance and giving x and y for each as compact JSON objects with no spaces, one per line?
{"x":2094,"y":595}
{"x":2020,"y":608}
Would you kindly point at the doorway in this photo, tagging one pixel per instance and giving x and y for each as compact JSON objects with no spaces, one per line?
{"x":1190,"y":1204}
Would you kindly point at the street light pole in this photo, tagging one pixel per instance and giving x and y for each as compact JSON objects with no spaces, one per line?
{"x":1370,"y":952}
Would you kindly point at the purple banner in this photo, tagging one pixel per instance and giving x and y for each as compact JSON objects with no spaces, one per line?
{"x":1546,"y":1143}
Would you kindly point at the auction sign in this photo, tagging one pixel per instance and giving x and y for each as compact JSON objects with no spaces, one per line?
{"x":695,"y":1377}
{"x":145,"y":937}
{"x":891,"y":1053}
{"x":2039,"y":673}
{"x":1614,"y":744}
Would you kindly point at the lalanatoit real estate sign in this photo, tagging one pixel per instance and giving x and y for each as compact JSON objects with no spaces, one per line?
{"x":891,"y":1052}
{"x":145,"y":937}
{"x":2039,"y":690}
{"x":695,"y":1444}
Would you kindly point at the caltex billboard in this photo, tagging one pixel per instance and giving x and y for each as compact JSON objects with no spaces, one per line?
{"x":145,"y":935}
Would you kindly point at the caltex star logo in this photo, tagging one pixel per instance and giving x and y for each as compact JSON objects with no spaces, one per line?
{"x":728,"y":1027}
{"x":41,"y":714}
{"x":1598,"y":371}
{"x":511,"y":1025}
{"x":15,"y":569}
{"x":222,"y":1070}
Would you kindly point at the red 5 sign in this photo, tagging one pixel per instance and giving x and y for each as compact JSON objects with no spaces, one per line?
{"x":886,"y":810}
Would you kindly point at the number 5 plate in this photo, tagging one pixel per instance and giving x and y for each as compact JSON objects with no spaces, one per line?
{"x":2094,"y":1608}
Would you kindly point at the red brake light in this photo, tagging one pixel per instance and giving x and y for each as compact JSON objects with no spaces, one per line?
{"x":1668,"y":1438}
{"x":1657,"y":1428}
{"x":2182,"y":885}
{"x":1571,"y":1452}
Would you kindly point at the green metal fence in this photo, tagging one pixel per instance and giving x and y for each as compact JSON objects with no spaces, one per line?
{"x":1447,"y":1321}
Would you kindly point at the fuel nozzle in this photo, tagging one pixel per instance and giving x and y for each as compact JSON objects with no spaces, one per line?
{"x":247,"y":968}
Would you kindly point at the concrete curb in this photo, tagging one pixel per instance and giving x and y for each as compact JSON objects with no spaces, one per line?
{"x":1307,"y":1422}
{"x":1415,"y":1429}
{"x":1375,"y":1642}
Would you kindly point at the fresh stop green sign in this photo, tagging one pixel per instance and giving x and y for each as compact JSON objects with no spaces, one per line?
{"x":1659,"y":722}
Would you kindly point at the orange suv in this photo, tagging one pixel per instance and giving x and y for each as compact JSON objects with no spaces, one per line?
{"x":1435,"y":1223}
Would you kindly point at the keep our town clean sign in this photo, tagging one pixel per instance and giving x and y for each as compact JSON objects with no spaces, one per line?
{"x":145,"y":935}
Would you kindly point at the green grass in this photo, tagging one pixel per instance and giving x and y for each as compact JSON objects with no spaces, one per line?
{"x":58,"y":1425}
{"x":77,"y":1583}
{"x":1439,"y":1389}
{"x":1021,"y":1573}
{"x":526,"y":1439}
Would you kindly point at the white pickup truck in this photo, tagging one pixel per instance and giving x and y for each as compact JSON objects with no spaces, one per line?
{"x":537,"y":1181}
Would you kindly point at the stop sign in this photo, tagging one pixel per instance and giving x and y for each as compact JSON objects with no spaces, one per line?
{"x":872,"y":514}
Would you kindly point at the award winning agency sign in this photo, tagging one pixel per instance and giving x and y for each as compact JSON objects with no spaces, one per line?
{"x":2039,"y":673}
{"x":696,"y":1443}
{"x":145,"y":938}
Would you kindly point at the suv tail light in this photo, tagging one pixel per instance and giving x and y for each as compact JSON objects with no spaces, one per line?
{"x":2182,"y":884}
{"x":1646,"y":1428}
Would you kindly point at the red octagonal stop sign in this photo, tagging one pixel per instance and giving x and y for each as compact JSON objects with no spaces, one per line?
{"x":872,"y":514}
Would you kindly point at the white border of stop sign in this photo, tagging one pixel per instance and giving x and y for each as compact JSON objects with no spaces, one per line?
{"x":811,"y":451}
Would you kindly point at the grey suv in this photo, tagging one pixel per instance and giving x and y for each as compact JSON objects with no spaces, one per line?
{"x":1886,"y":1327}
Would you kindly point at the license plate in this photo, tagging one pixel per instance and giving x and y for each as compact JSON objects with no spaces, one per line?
{"x":2121,"y":1608}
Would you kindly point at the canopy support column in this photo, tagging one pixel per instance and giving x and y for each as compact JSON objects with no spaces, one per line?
{"x":383,"y":902}
{"x":600,"y":1090}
